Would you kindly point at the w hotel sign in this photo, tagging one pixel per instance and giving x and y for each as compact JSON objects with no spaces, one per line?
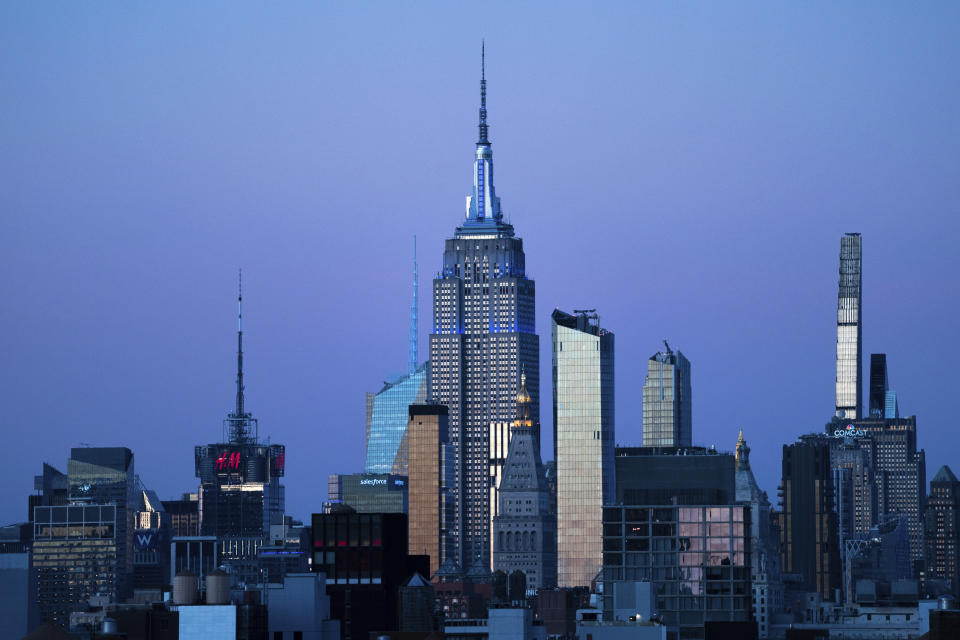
{"x":146,"y":539}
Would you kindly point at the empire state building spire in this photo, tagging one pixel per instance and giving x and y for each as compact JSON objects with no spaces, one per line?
{"x":483,"y":95}
{"x":483,"y":207}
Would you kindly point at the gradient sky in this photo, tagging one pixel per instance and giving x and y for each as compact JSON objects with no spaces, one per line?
{"x":685,"y":168}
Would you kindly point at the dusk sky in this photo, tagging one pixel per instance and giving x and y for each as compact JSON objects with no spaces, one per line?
{"x":685,"y":168}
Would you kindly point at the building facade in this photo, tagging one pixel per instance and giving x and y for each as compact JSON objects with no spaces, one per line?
{"x":105,"y":475}
{"x":667,"y":403}
{"x":899,"y":472}
{"x":184,"y":515}
{"x":809,"y":536}
{"x":484,"y":335}
{"x":849,"y":330}
{"x":77,"y":553}
{"x":698,"y":557}
{"x":431,"y":512}
{"x":368,"y":492}
{"x":583,"y":436}
{"x":942,"y":529}
{"x":364,"y":560}
{"x":387,"y":449}
{"x":524,"y":528}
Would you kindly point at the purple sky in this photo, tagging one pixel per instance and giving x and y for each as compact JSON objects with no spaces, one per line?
{"x":685,"y":168}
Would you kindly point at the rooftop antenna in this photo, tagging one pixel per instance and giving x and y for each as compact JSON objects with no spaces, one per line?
{"x":240,"y":421}
{"x":239,"y":410}
{"x":483,"y":94}
{"x":414,"y":319}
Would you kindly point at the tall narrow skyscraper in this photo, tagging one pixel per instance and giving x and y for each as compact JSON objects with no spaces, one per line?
{"x":667,"y":405}
{"x":849,"y":330}
{"x":483,"y":336}
{"x":583,"y":437}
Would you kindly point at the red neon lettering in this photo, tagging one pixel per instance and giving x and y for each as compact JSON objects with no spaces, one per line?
{"x":235,"y":460}
{"x":222,"y":460}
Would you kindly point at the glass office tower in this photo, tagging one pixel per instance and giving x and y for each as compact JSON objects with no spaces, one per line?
{"x":483,"y":337}
{"x":105,"y":475}
{"x":583,"y":437}
{"x":387,"y":446}
{"x":849,"y":330}
{"x":76,"y":554}
{"x":667,"y":405}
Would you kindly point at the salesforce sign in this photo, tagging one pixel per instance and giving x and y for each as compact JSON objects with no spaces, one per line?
{"x":380,"y":481}
{"x":849,"y":431}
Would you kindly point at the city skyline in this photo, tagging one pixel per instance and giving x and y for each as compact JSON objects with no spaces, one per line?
{"x":121,"y":241}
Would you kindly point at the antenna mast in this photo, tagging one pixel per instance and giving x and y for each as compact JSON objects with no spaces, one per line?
{"x":414,"y":316}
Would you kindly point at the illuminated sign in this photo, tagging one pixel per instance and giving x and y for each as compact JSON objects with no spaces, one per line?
{"x":849,"y":432}
{"x":373,"y":481}
{"x":228,"y":460}
{"x":145,"y":540}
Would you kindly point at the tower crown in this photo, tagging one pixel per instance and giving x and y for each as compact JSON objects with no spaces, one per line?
{"x":743,"y":453}
{"x":523,"y":404}
{"x":483,"y":207}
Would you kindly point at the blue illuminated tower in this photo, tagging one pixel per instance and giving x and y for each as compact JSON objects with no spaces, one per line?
{"x":483,"y":336}
{"x":414,"y":316}
{"x":387,"y":449}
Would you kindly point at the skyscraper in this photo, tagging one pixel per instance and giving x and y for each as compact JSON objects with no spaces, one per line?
{"x":240,"y":494}
{"x":849,"y":330}
{"x":430,"y":483}
{"x":809,"y":536}
{"x":105,"y":475}
{"x":387,"y":445}
{"x":386,"y":436}
{"x":666,"y":400}
{"x":899,"y":471}
{"x":85,"y":547}
{"x":583,"y":436}
{"x":942,"y":528}
{"x":883,"y":399}
{"x":483,"y":335}
{"x":879,"y":385}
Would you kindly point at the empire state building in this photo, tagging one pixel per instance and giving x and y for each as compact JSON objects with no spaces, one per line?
{"x":484,"y":336}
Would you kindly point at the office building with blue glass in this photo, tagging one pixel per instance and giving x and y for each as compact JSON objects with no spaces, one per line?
{"x":386,"y":435}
